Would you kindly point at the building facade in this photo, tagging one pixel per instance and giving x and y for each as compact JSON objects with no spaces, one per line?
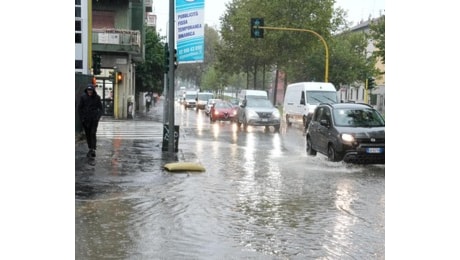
{"x":356,"y":92}
{"x":114,"y":32}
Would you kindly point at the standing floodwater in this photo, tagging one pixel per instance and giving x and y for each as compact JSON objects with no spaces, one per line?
{"x":261,"y":196}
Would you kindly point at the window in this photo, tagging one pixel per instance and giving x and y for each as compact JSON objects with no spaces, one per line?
{"x":302,"y":98}
{"x":77,"y":25}
{"x":325,"y":114}
{"x":77,"y":37}
{"x":77,"y":11}
{"x":78,"y":64}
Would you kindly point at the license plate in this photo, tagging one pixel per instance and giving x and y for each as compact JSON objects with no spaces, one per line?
{"x":264,"y":120}
{"x":374,"y":150}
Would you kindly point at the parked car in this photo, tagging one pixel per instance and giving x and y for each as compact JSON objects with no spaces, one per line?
{"x":209,"y":104}
{"x":350,"y":132}
{"x":222,"y":111}
{"x":258,"y":112}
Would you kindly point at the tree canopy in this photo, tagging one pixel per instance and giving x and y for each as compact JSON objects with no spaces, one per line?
{"x":234,"y":59}
{"x":149,"y":74}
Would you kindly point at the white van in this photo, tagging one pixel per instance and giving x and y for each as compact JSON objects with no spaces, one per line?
{"x":190,"y":99}
{"x":302,"y":98}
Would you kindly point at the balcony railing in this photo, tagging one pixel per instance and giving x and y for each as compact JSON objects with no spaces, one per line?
{"x":117,"y":40}
{"x":117,"y":36}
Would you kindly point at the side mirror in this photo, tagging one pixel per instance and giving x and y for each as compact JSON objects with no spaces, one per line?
{"x":324,"y":122}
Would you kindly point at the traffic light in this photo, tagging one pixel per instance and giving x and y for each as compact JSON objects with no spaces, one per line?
{"x":166,"y":65}
{"x":370,"y":83}
{"x":119,"y":77}
{"x":257,"y":32}
{"x":96,"y":64}
{"x":175,"y":59}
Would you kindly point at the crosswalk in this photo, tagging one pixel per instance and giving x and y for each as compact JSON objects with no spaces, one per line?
{"x":129,"y":129}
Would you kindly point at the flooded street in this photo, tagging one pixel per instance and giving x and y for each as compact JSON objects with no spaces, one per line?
{"x":261,"y":196}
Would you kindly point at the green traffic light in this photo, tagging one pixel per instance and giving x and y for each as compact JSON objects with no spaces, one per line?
{"x":257,"y":32}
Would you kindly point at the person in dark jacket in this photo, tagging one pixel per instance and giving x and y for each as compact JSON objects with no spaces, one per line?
{"x":90,"y":112}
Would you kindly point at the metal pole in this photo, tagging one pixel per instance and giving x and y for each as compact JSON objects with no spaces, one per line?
{"x":115,"y":96}
{"x":165,"y":104}
{"x":171,"y":77}
{"x":365,"y":90}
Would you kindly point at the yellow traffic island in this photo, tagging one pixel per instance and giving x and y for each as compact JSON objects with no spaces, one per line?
{"x":184,"y":167}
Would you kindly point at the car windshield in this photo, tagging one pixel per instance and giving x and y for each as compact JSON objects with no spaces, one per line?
{"x":204,"y":96}
{"x":234,"y":101}
{"x":317,"y":97}
{"x":358,"y":118}
{"x":222,"y":105}
{"x":190,"y":96}
{"x":258,"y":102}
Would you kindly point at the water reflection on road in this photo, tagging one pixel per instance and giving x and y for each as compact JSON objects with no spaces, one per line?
{"x":261,"y":197}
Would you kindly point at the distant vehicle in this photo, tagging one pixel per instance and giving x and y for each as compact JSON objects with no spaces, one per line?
{"x":258,"y":112}
{"x":235,"y":102}
{"x":252,"y":93}
{"x":190,"y":99}
{"x":348,"y":131}
{"x":301,"y":99}
{"x":202,"y":99}
{"x":222,"y":111}
{"x":209,"y":104}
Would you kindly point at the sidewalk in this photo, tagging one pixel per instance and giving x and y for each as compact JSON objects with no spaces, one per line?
{"x":130,"y":144}
{"x":155,"y":114}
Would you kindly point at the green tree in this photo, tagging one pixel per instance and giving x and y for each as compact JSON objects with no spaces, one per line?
{"x":283,"y":49}
{"x":348,"y":61}
{"x":377,"y":29}
{"x":150,"y":73}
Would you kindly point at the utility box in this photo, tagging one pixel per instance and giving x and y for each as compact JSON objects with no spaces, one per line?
{"x":166,"y":136}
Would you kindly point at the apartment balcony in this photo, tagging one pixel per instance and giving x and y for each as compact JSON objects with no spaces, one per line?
{"x":117,"y":40}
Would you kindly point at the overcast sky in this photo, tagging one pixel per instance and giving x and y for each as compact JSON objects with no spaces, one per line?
{"x":357,"y":10}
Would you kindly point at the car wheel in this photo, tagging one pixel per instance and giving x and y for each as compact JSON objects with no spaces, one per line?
{"x":310,"y":150}
{"x":277,"y":128}
{"x":332,"y":155}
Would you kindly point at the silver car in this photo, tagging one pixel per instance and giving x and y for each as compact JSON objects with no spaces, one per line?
{"x":258,"y":112}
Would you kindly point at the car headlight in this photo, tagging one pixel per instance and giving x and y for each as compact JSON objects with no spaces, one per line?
{"x":276,"y":114}
{"x":347,"y":138}
{"x":252,"y":113}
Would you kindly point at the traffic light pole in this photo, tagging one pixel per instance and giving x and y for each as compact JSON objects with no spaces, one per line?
{"x":326,"y":69}
{"x":366,"y":90}
{"x":170,"y":98}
